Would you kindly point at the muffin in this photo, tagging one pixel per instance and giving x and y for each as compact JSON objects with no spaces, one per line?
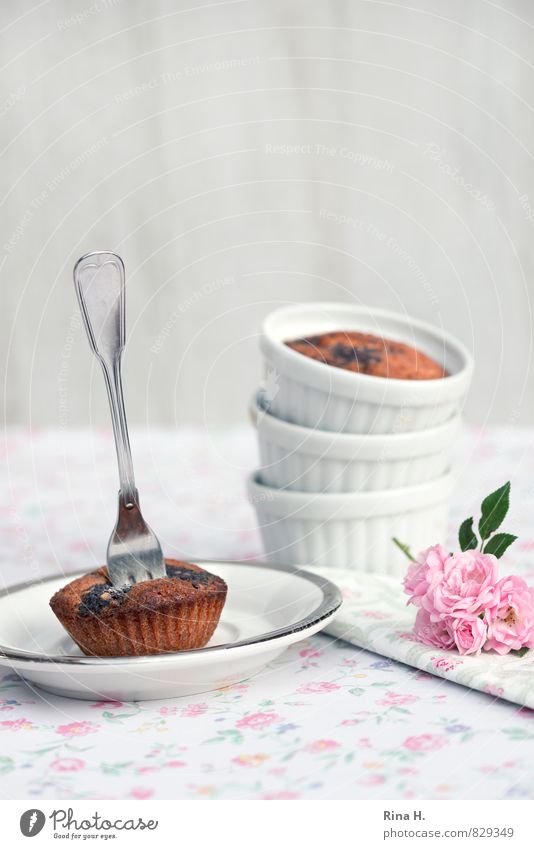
{"x":368,"y":354}
{"x":175,"y":613}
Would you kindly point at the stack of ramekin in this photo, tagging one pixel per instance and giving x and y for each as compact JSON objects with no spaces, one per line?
{"x":349,"y":461}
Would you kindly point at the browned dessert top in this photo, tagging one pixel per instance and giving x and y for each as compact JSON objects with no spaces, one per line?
{"x":94,"y":595}
{"x":368,"y":354}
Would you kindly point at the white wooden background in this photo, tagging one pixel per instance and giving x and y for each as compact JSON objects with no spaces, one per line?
{"x":244,"y":154}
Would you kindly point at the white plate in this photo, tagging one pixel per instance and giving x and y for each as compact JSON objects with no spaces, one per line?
{"x":267,"y":609}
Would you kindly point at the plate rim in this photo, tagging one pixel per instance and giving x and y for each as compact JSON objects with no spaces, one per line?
{"x":331,"y":602}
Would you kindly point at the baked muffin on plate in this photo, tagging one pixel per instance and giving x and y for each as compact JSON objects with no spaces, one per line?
{"x":175,"y":613}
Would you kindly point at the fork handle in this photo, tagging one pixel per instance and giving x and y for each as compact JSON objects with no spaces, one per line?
{"x":99,"y":280}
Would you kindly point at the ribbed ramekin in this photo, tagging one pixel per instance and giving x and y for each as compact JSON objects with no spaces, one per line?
{"x":350,"y":530}
{"x":307,"y":392}
{"x":299,"y":458}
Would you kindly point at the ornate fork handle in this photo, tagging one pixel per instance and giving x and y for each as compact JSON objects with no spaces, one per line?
{"x":134,"y":553}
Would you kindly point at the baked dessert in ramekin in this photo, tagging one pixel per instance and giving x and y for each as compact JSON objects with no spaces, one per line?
{"x":175,"y":613}
{"x":300,"y":390}
{"x":367,"y":353}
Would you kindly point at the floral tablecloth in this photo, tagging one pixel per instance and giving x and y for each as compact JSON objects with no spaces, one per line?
{"x":327,"y":720}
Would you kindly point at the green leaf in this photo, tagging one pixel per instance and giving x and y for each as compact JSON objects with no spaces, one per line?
{"x":6,"y":765}
{"x":45,"y":750}
{"x":494,"y":508}
{"x":115,"y":769}
{"x":404,"y":548}
{"x":498,"y":544}
{"x":466,"y":535}
{"x":116,"y":717}
{"x":520,"y":652}
{"x":518,"y":734}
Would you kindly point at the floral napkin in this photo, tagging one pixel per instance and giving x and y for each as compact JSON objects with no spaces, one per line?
{"x":374,"y":616}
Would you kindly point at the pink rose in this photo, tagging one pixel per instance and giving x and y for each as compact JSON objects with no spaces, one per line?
{"x":492,"y":690}
{"x":318,"y":687}
{"x":424,"y":743}
{"x":194,"y":710}
{"x":466,"y":588}
{"x":22,"y":724}
{"x":67,"y":764}
{"x":424,"y":572}
{"x":372,"y":780}
{"x":141,"y":793}
{"x":396,"y":699}
{"x":469,"y":634}
{"x":445,"y":663}
{"x":511,"y":623}
{"x":433,"y":633}
{"x":77,"y":729}
{"x":257,"y":720}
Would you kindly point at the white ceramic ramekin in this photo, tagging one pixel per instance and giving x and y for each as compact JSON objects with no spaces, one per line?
{"x":301,"y":390}
{"x":350,"y":530}
{"x":306,"y":460}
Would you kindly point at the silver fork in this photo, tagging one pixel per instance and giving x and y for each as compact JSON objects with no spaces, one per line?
{"x":134,"y":553}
